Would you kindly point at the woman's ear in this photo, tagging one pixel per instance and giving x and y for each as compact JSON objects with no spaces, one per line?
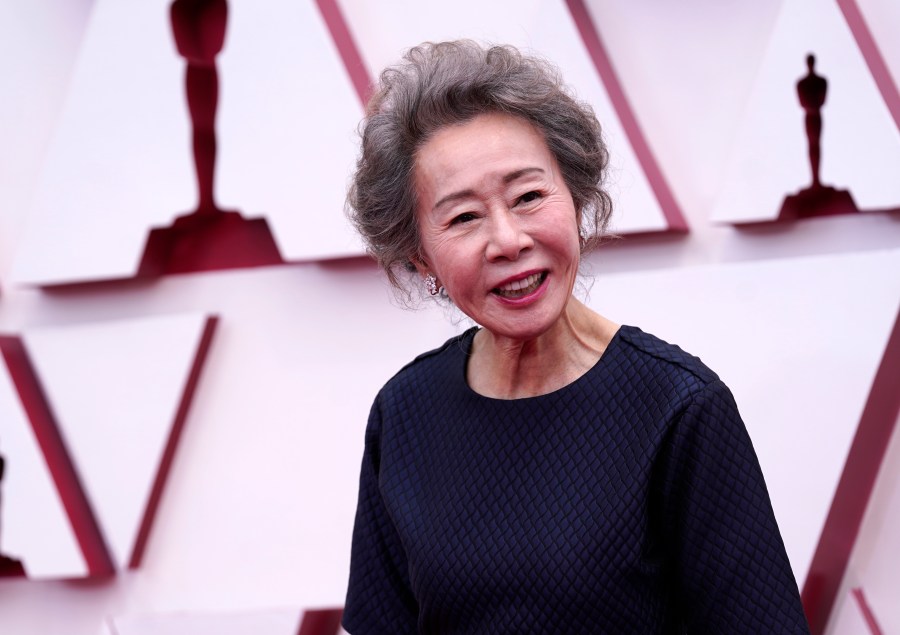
{"x":421,"y":265}
{"x":429,"y":279}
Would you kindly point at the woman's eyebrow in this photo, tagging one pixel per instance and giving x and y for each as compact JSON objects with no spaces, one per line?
{"x":454,"y":197}
{"x":507,"y":179}
{"x":512,"y":176}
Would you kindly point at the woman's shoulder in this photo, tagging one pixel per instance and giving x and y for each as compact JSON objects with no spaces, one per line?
{"x":441,"y":363}
{"x":651,"y":354}
{"x":458,"y":344}
{"x":667,"y":376}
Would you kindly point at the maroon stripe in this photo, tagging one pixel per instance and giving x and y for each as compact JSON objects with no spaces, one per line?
{"x":62,"y":469}
{"x":873,"y":57}
{"x":165,"y":464}
{"x":594,"y":45}
{"x":321,"y":622}
{"x":346,"y":46}
{"x":868,"y":615}
{"x":854,"y":489}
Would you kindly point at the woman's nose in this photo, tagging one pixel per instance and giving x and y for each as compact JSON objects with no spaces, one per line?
{"x":508,"y":238}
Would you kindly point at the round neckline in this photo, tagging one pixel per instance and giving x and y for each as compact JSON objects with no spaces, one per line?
{"x":468,"y":338}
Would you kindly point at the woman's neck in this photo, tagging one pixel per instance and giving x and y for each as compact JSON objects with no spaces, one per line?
{"x":507,"y":368}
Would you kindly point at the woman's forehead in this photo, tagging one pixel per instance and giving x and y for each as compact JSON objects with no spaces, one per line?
{"x":494,"y":147}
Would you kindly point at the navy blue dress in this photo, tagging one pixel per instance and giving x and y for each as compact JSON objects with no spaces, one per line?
{"x":630,"y":501}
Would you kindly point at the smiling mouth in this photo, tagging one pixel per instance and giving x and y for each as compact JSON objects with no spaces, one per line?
{"x":520,"y":288}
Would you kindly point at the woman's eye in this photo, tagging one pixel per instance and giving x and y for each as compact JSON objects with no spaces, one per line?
{"x":528,"y":197}
{"x":464,"y":218}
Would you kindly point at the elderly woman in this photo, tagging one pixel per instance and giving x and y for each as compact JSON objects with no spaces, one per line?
{"x":548,"y":471}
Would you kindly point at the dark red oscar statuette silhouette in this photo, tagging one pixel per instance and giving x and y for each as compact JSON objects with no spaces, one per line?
{"x":817,"y":199}
{"x":207,"y":238}
{"x":9,"y":567}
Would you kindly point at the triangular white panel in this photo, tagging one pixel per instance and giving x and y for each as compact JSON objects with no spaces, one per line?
{"x":882,"y":18}
{"x":768,"y":368}
{"x":38,"y":40}
{"x":271,"y":622}
{"x":34,"y":526}
{"x":115,"y":388}
{"x":120,"y":160}
{"x":384,"y":30}
{"x":860,"y":142}
{"x":287,"y":127}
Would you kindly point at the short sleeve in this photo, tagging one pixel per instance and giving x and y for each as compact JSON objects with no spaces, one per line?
{"x":726,"y":557}
{"x":379,"y":599}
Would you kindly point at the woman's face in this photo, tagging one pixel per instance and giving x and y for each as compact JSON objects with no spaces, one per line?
{"x":497,"y":224}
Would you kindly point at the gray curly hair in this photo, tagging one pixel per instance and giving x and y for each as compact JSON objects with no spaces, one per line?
{"x":436,"y":85}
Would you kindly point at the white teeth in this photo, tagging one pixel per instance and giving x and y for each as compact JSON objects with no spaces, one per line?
{"x":528,"y":284}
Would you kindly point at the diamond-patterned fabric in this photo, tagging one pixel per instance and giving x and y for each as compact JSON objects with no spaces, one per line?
{"x":630,"y":501}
